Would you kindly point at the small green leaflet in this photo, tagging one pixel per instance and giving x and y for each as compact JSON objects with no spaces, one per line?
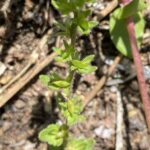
{"x":61,"y":84}
{"x":54,"y":134}
{"x":71,"y":110}
{"x":54,"y":81}
{"x":83,"y":66}
{"x":80,"y":144}
{"x":45,"y":79}
{"x":64,"y":55}
{"x":88,"y":59}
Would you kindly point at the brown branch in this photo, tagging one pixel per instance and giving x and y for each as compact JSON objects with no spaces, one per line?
{"x":41,"y":64}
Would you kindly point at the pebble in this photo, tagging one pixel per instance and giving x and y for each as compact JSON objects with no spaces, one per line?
{"x":136,"y":124}
{"x":146,"y":70}
{"x":6,"y":126}
{"x":103,"y":132}
{"x":20,"y":104}
{"x":113,"y":89}
{"x":29,"y":146}
{"x":2,"y":68}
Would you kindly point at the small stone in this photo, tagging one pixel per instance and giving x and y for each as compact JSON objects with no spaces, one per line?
{"x":113,"y":89}
{"x":146,"y":70}
{"x":29,"y":146}
{"x":4,"y":79}
{"x":19,"y":104}
{"x":103,"y":132}
{"x":2,"y":68}
{"x":6,"y":126}
{"x":144,"y":144}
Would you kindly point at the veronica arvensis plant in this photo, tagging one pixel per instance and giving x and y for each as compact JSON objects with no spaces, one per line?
{"x":75,"y":19}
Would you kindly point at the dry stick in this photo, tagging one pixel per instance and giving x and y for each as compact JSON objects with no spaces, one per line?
{"x":4,"y":97}
{"x":5,"y":7}
{"x":32,"y":61}
{"x":40,"y":65}
{"x":140,"y":76}
{"x":102,"y":81}
{"x":119,"y":122}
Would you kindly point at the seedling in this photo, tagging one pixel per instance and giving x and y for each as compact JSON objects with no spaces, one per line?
{"x":75,"y":19}
{"x":126,"y":30}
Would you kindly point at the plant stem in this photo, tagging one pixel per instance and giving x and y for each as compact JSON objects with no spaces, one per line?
{"x":137,"y":60}
{"x":73,"y":41}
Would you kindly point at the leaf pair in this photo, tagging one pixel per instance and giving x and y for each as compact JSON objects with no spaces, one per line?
{"x":71,"y":110}
{"x":80,"y":21}
{"x":54,"y":134}
{"x":83,"y":66}
{"x":84,"y":26}
{"x":64,"y":55}
{"x":54,"y":81}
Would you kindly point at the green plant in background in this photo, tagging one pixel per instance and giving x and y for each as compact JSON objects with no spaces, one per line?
{"x":118,"y":27}
{"x":126,"y":30}
{"x":75,"y":20}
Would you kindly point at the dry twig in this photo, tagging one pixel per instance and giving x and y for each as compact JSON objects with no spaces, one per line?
{"x":31,"y":62}
{"x":40,"y":65}
{"x":119,"y":122}
{"x":22,"y":78}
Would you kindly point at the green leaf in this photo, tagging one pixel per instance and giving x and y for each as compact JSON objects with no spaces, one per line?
{"x":78,"y":64}
{"x":54,"y":77}
{"x":54,"y":134}
{"x":88,"y":59}
{"x":54,"y":3}
{"x":63,"y":6}
{"x":71,"y":111}
{"x":80,"y":144}
{"x":45,"y":79}
{"x":119,"y":33}
{"x":92,"y":24}
{"x":86,"y":26}
{"x":88,"y":69}
{"x":61,"y":84}
{"x":64,"y":55}
{"x":83,"y":66}
{"x":131,"y":9}
{"x":57,"y":50}
{"x":54,"y":81}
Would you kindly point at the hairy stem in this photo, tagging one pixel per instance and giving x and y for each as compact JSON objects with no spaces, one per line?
{"x":71,"y":73}
{"x":137,"y":60}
